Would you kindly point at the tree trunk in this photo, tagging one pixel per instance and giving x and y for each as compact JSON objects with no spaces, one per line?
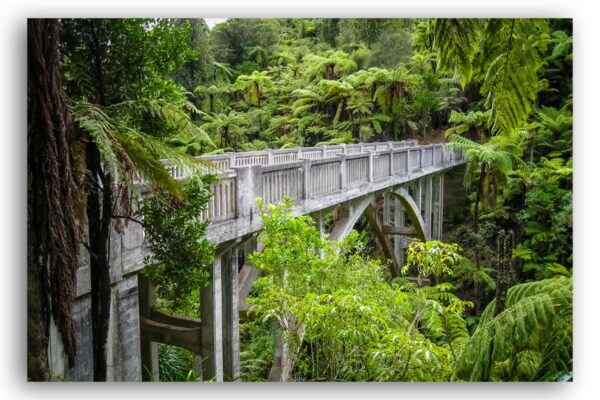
{"x":54,"y":201}
{"x":504,"y":270}
{"x":477,"y":295}
{"x":99,"y":212}
{"x":37,"y":317}
{"x":225,"y":137}
{"x":478,"y":195}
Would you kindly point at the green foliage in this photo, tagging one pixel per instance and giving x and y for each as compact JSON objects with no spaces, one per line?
{"x":489,"y":164}
{"x":548,"y":224}
{"x":254,"y":84}
{"x":130,"y":151}
{"x":179,"y":250}
{"x":530,"y":340}
{"x":433,"y":257}
{"x":256,"y":350}
{"x":473,"y":122}
{"x":503,"y":54}
{"x":200,"y":68}
{"x":112,"y":60}
{"x":228,"y":128}
{"x":232,"y":39}
{"x":350,"y":323}
{"x":511,"y":84}
{"x":455,"y":40}
{"x":331,"y":65}
{"x":176,"y":364}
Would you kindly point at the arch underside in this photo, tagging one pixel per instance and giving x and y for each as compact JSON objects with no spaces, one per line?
{"x":354,"y":210}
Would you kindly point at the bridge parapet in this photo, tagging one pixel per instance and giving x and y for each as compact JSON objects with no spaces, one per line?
{"x":314,"y":177}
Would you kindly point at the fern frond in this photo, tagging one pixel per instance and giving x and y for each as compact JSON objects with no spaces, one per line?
{"x":511,"y":83}
{"x":456,"y":43}
{"x":129,"y":150}
{"x":532,"y":310}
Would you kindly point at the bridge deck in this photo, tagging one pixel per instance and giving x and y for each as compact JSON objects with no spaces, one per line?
{"x":314,"y":177}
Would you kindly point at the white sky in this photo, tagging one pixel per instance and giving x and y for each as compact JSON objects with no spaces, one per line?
{"x":211,"y":22}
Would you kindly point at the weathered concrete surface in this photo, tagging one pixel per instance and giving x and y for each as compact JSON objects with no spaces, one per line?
{"x":123,"y":343}
{"x":211,"y":304}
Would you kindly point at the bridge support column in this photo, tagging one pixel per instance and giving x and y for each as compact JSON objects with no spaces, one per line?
{"x":211,"y":306}
{"x":231,"y":319}
{"x":387,"y":205}
{"x":428,"y":203}
{"x":416,"y":193}
{"x":435,"y":208}
{"x":321,"y":228}
{"x":384,"y":240}
{"x":279,"y":372}
{"x":149,"y":349}
{"x":440,"y":221}
{"x":219,"y":309}
{"x":399,"y":223}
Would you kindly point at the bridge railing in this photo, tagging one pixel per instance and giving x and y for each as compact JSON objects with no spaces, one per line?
{"x":311,"y":173}
{"x":273,"y":157}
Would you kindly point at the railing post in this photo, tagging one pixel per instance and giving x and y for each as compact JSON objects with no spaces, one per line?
{"x":270,"y":157}
{"x":443,"y":149}
{"x":248,"y":187}
{"x":391,"y":155}
{"x":407,"y":161}
{"x":324,"y":151}
{"x":433,"y":162}
{"x":343,"y":148}
{"x":231,"y":160}
{"x":306,"y":176}
{"x":370,"y":169}
{"x":421,"y":158}
{"x":343,"y":170}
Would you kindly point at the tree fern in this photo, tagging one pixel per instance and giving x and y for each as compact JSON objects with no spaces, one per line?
{"x":130,"y":151}
{"x":473,"y":121}
{"x":511,"y":83}
{"x":532,"y":310}
{"x":507,"y":63}
{"x":456,"y":42}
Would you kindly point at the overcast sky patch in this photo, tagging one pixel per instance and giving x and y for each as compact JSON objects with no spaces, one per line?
{"x":211,"y":22}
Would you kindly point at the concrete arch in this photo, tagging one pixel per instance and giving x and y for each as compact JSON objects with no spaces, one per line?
{"x":410,"y":207}
{"x":344,"y":226}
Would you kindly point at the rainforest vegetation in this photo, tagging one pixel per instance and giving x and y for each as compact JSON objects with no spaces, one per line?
{"x":109,"y":98}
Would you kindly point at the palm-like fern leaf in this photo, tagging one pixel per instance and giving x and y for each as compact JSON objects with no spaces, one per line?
{"x":130,"y":151}
{"x":532,"y":310}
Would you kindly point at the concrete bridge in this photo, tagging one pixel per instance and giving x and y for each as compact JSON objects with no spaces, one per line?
{"x":398,"y":186}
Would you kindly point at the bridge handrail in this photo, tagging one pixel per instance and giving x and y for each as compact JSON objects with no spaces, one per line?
{"x":311,"y":175}
{"x":270,"y":157}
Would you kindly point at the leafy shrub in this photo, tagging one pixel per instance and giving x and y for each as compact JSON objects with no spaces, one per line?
{"x":179,"y":250}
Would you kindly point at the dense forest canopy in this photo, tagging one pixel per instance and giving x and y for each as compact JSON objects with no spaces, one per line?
{"x":498,"y":305}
